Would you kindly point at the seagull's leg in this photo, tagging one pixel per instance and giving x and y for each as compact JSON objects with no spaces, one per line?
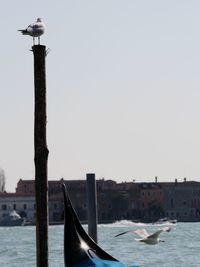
{"x":39,"y":40}
{"x":33,"y":40}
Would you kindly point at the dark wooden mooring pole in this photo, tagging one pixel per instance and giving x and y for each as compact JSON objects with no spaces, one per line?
{"x":92,"y":206}
{"x":40,"y":156}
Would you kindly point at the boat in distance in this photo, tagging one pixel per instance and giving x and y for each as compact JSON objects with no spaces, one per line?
{"x":79,"y":249}
{"x":165,"y":221}
{"x":12,"y":219}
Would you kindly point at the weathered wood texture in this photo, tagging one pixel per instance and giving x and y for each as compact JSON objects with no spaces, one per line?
{"x":40,"y":156}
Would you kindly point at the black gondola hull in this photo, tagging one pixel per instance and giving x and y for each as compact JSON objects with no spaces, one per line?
{"x":79,"y":249}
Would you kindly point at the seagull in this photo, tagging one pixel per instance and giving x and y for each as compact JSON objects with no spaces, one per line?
{"x":35,"y":30}
{"x":150,"y":239}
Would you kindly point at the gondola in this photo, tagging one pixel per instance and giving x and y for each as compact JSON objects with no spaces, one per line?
{"x":79,"y":249}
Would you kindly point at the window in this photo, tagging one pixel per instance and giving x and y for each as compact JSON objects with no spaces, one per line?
{"x":4,"y":207}
{"x":25,"y":206}
{"x":14,"y":206}
{"x":172,"y":203}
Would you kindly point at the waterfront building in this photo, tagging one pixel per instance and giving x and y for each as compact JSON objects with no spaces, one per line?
{"x":24,"y":205}
{"x":151,"y":201}
{"x":116,"y":201}
{"x":182,"y":200}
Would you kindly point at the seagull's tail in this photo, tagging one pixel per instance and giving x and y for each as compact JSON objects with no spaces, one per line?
{"x":24,"y":32}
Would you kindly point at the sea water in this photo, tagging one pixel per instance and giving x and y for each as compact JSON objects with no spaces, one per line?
{"x":180,"y":249}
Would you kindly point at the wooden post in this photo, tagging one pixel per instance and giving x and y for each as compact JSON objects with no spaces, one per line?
{"x":92,"y":206}
{"x":41,"y":156}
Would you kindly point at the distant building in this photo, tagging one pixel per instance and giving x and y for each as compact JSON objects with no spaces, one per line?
{"x":182,"y":200}
{"x":116,"y":201}
{"x":151,"y":201}
{"x":23,"y":205}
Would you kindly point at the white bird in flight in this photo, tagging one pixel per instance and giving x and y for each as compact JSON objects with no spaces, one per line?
{"x":150,"y":239}
{"x":35,"y":30}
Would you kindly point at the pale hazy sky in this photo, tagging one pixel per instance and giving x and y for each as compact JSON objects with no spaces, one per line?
{"x":123,"y":89}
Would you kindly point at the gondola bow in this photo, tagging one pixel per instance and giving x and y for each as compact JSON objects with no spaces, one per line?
{"x":79,"y":249}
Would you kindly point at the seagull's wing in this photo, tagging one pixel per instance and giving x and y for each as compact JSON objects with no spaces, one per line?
{"x":124,"y":233}
{"x":35,"y":29}
{"x":38,"y":29}
{"x":30,"y":26}
{"x":156,"y":234}
{"x":37,"y":25}
{"x":28,"y":30}
{"x":142,"y":233}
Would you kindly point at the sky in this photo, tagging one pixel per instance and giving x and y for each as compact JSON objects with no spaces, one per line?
{"x":123,"y":89}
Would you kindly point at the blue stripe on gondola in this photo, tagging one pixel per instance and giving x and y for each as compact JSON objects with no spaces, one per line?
{"x":100,"y":263}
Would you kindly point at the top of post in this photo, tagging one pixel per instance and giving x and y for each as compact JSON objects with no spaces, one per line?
{"x":39,"y":50}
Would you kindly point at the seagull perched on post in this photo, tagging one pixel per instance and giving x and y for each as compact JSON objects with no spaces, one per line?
{"x":35,"y":30}
{"x":150,"y":239}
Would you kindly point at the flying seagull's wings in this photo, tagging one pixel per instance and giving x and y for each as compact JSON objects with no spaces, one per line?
{"x":142,"y":233}
{"x":157,"y":233}
{"x":124,"y":233}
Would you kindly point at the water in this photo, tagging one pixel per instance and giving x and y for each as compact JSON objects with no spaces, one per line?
{"x":180,"y":249}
